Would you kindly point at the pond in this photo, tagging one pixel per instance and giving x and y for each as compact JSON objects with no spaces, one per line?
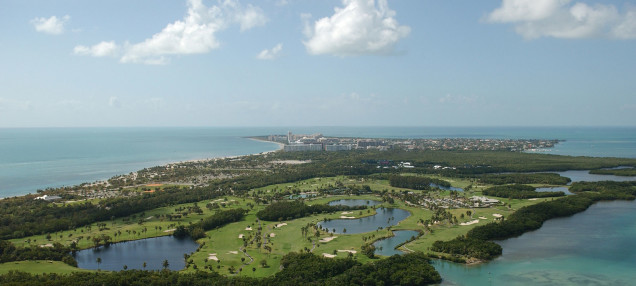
{"x":152,"y":251}
{"x":354,"y":203}
{"x":383,"y":218}
{"x":386,"y":247}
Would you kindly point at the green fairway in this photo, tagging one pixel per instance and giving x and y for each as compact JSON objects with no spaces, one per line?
{"x":39,"y":267}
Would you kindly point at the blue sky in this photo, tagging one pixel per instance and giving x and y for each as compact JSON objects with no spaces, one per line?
{"x":317,"y":63}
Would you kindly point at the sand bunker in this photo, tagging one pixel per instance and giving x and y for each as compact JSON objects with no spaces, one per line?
{"x":328,"y":255}
{"x":241,"y":235}
{"x":346,"y":212}
{"x":46,"y":245}
{"x":350,"y":251}
{"x":534,"y":199}
{"x":470,"y":222}
{"x":482,"y":217}
{"x":212,"y":256}
{"x":169,"y":230}
{"x":497,"y":215}
{"x":232,"y":252}
{"x":347,"y":217}
{"x":281,"y":224}
{"x":248,"y":228}
{"x":154,"y":185}
{"x":150,"y":217}
{"x":327,"y":239}
{"x":272,"y":234}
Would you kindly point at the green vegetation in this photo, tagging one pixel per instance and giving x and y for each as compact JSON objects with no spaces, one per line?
{"x":534,"y":178}
{"x":532,"y":217}
{"x":288,"y":210}
{"x":629,"y":172}
{"x":416,"y":183}
{"x":247,"y":225}
{"x":299,"y":268}
{"x":58,"y":252}
{"x":519,"y":192}
{"x":39,"y":267}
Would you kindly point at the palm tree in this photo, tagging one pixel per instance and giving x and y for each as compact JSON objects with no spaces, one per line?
{"x":144,"y":265}
{"x":165,"y":264}
{"x":99,"y":260}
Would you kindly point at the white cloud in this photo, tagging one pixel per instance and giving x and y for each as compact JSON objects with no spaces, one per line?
{"x":52,"y":25}
{"x":270,"y":54}
{"x":102,"y":49}
{"x":562,"y":19}
{"x":195,"y":34}
{"x":360,"y":27}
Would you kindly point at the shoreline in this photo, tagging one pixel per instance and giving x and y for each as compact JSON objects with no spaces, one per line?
{"x":105,"y":181}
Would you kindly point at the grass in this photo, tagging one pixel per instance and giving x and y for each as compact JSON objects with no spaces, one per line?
{"x":226,"y":244}
{"x":39,"y":267}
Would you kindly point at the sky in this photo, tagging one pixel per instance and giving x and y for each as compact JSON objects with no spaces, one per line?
{"x":78,"y":63}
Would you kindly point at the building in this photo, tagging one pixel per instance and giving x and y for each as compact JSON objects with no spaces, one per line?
{"x":49,"y":198}
{"x":338,"y":147}
{"x":302,"y":147}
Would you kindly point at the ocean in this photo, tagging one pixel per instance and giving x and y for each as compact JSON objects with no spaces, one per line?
{"x":37,"y":158}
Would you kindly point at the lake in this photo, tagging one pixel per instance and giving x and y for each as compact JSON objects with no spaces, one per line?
{"x":134,"y":253}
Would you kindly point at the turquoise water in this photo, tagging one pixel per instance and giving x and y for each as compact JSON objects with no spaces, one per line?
{"x":32,"y":159}
{"x":37,"y":158}
{"x":595,"y":247}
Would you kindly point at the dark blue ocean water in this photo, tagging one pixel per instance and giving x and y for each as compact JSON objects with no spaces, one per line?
{"x":37,"y":158}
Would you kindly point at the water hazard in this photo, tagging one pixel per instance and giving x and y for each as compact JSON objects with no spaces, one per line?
{"x":133,"y":254}
{"x":387,"y":246}
{"x":383,"y":218}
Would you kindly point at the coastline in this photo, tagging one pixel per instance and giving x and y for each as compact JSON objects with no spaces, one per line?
{"x":105,"y":181}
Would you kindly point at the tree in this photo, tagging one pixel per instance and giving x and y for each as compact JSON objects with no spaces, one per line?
{"x":144,"y":265}
{"x":263,"y":263}
{"x":165,"y":264}
{"x":99,"y":260}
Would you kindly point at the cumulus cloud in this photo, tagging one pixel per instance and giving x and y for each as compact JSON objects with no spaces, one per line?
{"x":194,"y":34}
{"x":52,"y":25}
{"x":360,"y":27}
{"x":564,"y":19}
{"x":102,"y":49}
{"x":271,"y":53}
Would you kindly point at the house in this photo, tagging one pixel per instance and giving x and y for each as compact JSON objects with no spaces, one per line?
{"x":49,"y":198}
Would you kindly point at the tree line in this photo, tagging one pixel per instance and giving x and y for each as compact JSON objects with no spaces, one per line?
{"x":518,"y":191}
{"x":288,"y":210}
{"x":299,"y":269}
{"x":416,"y":182}
{"x":531,"y":178}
